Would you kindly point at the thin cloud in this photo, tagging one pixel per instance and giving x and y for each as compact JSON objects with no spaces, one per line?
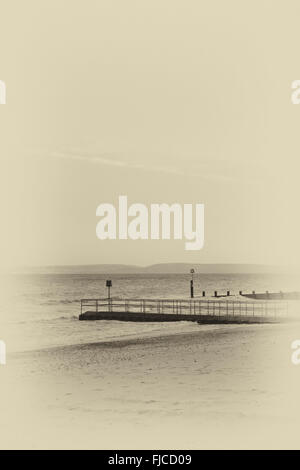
{"x":208,"y":172}
{"x":112,"y":161}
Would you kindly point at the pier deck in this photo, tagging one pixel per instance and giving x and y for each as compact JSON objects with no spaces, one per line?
{"x":170,"y":310}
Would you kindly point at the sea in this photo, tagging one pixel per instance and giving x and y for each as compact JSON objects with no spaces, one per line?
{"x":40,"y":311}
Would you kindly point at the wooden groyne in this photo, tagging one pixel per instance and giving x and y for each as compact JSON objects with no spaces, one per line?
{"x":272,"y":295}
{"x":256,"y":295}
{"x":170,"y":310}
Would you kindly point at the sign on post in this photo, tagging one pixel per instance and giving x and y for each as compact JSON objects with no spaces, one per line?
{"x":109,"y":285}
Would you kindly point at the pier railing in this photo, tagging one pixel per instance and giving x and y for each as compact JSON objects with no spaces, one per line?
{"x":188,"y":307}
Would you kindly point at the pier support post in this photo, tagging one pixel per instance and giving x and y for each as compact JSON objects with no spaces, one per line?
{"x":192,"y":271}
{"x":192,"y":289}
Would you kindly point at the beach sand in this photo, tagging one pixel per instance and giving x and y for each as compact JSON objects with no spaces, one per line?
{"x":227,"y":387}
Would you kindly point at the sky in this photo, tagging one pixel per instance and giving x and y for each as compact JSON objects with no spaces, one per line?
{"x":163,"y":101}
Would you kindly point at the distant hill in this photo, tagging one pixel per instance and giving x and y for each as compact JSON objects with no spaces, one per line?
{"x":211,"y":268}
{"x":163,"y":268}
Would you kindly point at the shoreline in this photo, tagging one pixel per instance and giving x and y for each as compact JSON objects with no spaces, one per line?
{"x":152,"y":337}
{"x":229,"y":387}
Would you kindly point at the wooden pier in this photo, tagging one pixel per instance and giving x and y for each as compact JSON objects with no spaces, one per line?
{"x":170,"y":310}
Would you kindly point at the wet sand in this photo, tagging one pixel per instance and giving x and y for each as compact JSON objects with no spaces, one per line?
{"x":231,"y":387}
